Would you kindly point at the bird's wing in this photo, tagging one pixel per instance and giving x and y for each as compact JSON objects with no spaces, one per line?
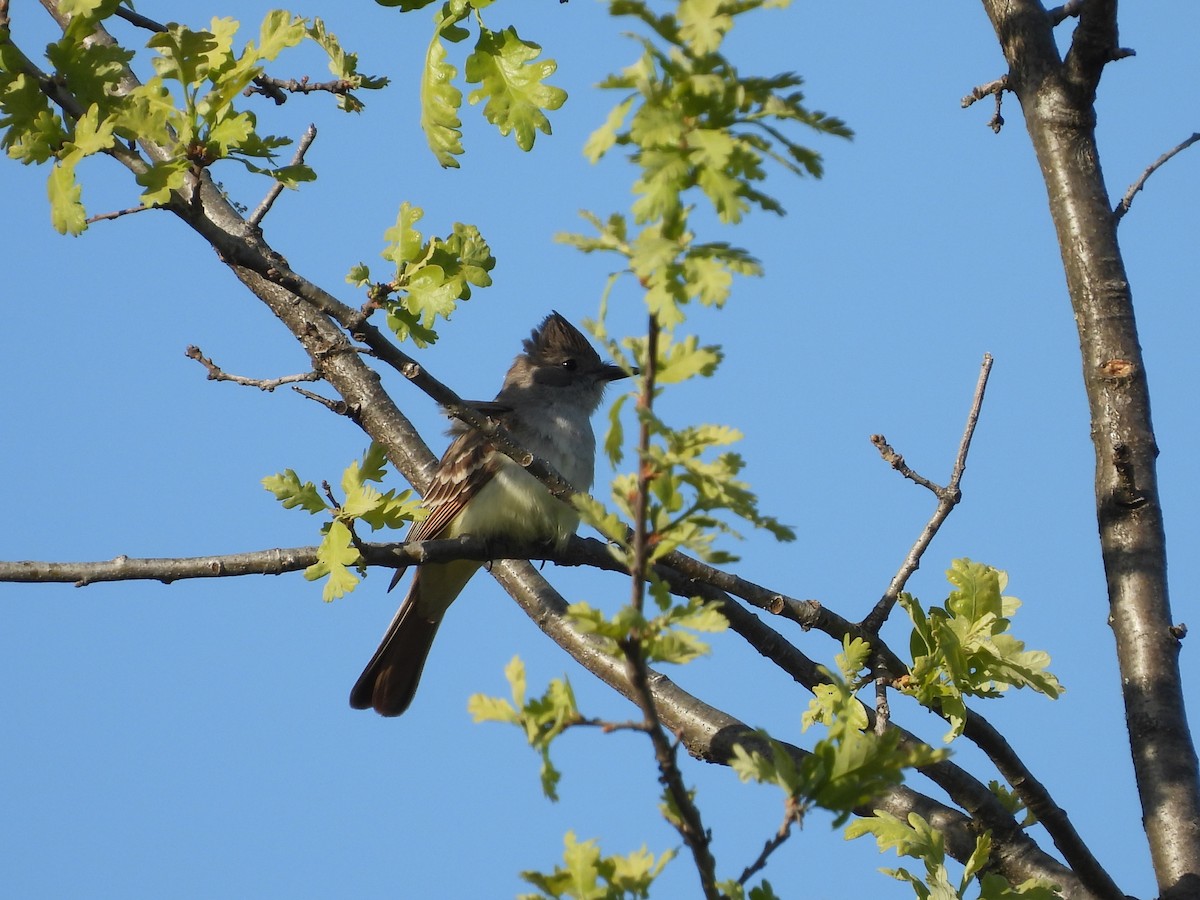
{"x":465,"y":468}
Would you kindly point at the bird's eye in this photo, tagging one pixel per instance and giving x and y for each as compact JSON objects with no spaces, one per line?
{"x":569,"y":364}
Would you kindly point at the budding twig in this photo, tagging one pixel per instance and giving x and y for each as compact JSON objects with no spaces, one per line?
{"x":948,"y":497}
{"x":215,"y":373}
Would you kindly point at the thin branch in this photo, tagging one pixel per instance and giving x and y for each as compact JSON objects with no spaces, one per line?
{"x":948,"y":498}
{"x":1127,"y":200}
{"x":276,"y":87}
{"x":999,"y":86}
{"x":793,"y":815}
{"x":116,"y":214}
{"x":896,"y":461}
{"x":166,"y":570}
{"x":687,"y":819}
{"x":995,"y":88}
{"x":338,"y":407}
{"x":711,"y":734}
{"x":395,"y":555}
{"x":138,"y":20}
{"x":256,"y":217}
{"x":215,"y":373}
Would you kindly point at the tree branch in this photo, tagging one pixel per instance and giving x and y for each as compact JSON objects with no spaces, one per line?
{"x":317,"y":321}
{"x":216,"y":373}
{"x":277,"y":88}
{"x":948,"y":498}
{"x":256,"y":217}
{"x":710,"y":734}
{"x":1127,"y":200}
{"x":1060,"y":117}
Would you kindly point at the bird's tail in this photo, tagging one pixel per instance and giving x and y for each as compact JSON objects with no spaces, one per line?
{"x":390,"y":680}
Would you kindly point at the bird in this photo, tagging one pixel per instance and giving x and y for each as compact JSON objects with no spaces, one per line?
{"x":549,"y":395}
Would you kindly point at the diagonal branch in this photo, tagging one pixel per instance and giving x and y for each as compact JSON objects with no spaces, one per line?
{"x":1127,"y":200}
{"x":710,"y":734}
{"x":256,"y":217}
{"x":948,"y":498}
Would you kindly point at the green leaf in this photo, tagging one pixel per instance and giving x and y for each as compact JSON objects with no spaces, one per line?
{"x":344,"y":66}
{"x":66,"y":211}
{"x":431,"y":277}
{"x":161,"y":179}
{"x":280,"y":30}
{"x":335,"y":555}
{"x":405,"y":243}
{"x":703,"y":24}
{"x":185,"y":56}
{"x":681,"y":360}
{"x":290,"y":491}
{"x":604,"y":137}
{"x":965,"y":649}
{"x":440,"y":102}
{"x":542,"y":719}
{"x":588,"y":875}
{"x":849,"y":766}
{"x":512,"y":84}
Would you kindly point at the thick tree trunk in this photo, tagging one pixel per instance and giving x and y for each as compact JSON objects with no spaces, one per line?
{"x":1057,"y":97}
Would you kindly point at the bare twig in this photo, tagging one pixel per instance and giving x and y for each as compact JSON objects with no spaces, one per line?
{"x":257,"y":562}
{"x":138,"y":20}
{"x":994,"y":88}
{"x":264,"y":207}
{"x":275,"y":88}
{"x":116,"y":214}
{"x":215,"y":373}
{"x":999,"y":86}
{"x":1127,"y":200}
{"x":793,"y":815}
{"x":337,"y":407}
{"x":948,"y":497}
{"x":896,"y":461}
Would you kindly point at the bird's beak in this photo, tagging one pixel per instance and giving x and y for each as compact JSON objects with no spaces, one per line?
{"x":609,"y":372}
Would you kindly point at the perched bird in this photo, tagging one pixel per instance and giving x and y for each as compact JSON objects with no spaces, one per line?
{"x":547,"y":401}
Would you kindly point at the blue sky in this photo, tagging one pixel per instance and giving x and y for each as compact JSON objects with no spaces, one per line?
{"x":194,"y":740}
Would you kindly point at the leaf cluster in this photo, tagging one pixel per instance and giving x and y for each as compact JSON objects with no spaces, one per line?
{"x":693,"y":121}
{"x":850,"y":765}
{"x":918,"y":839}
{"x":542,"y":719}
{"x":666,"y":637}
{"x":430,"y":278}
{"x":586,"y":874}
{"x":187,"y":107}
{"x":509,"y":71}
{"x":338,"y":552}
{"x":965,"y":649}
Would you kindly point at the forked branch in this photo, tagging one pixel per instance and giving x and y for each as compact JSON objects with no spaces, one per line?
{"x":948,"y":497}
